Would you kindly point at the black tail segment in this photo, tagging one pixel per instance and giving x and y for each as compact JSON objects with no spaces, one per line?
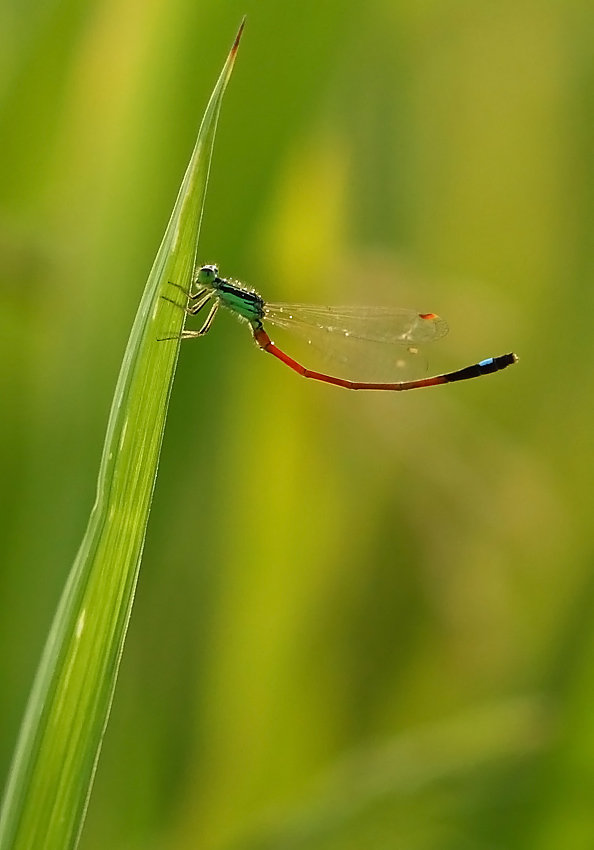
{"x":485,"y":367}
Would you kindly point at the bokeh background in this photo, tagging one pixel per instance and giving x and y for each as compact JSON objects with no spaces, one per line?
{"x":370,"y":624}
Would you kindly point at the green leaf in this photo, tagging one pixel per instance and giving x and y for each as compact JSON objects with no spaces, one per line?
{"x":60,"y":739}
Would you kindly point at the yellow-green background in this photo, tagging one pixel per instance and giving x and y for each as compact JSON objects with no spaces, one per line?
{"x":371,"y":625}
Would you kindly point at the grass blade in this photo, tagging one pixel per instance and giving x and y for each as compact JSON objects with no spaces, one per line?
{"x":60,"y":739}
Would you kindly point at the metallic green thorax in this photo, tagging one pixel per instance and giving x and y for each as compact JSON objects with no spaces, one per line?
{"x":243,"y":302}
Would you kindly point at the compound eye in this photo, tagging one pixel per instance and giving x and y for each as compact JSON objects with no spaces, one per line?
{"x":208,"y":273}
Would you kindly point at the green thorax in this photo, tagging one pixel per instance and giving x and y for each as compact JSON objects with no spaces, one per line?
{"x":244,"y":302}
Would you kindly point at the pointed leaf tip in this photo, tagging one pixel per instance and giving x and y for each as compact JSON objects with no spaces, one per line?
{"x":238,"y":36}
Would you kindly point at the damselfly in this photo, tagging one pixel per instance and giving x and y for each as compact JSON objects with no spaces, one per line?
{"x":356,"y":327}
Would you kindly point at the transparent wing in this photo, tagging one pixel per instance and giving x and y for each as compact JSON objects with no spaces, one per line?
{"x":390,"y":325}
{"x":365,"y":342}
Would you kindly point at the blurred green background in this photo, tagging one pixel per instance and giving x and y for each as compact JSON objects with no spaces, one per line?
{"x":370,"y":626}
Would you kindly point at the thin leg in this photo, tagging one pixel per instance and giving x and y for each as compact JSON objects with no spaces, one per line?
{"x":193,"y":296}
{"x":203,"y":295}
{"x":206,"y":326}
{"x":193,"y":311}
{"x":485,"y":367}
{"x":195,"y":308}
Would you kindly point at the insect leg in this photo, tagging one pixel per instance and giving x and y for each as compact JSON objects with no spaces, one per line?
{"x":206,"y":326}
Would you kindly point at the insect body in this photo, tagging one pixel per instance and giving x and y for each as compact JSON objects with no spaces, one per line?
{"x":353,"y":328}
